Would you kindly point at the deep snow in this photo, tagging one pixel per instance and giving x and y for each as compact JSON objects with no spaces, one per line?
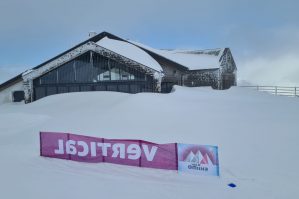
{"x":257,"y":135}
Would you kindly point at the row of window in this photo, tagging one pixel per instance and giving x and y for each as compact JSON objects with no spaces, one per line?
{"x":90,"y":68}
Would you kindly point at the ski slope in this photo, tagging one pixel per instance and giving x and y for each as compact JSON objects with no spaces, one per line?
{"x":257,"y":135}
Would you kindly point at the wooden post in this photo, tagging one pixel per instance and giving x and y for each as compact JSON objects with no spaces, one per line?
{"x":275,"y":90}
{"x":295,"y":91}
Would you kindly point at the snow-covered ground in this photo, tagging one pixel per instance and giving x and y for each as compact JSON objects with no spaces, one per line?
{"x":257,"y":135}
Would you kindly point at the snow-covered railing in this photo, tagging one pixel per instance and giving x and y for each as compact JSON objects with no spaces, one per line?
{"x":278,"y":90}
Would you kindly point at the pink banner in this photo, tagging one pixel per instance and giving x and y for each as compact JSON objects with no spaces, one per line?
{"x":95,"y":150}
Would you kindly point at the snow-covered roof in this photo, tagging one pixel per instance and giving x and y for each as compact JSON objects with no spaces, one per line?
{"x":130,"y":51}
{"x":194,"y":60}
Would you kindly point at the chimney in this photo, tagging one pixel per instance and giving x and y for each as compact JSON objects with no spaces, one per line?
{"x":92,"y":34}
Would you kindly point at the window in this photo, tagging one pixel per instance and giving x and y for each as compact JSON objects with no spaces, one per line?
{"x":104,"y":76}
{"x":18,"y":96}
{"x":49,"y":78}
{"x":87,"y":69}
{"x":115,"y":74}
{"x":66,"y":73}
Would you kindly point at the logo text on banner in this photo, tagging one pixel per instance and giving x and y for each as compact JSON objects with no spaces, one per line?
{"x":198,"y":159}
{"x":119,"y":150}
{"x":91,"y":149}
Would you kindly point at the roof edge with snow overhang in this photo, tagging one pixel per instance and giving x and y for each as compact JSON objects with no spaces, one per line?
{"x":190,"y":59}
{"x":130,"y":51}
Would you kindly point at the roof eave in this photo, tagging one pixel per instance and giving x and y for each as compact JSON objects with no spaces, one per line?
{"x":10,"y":82}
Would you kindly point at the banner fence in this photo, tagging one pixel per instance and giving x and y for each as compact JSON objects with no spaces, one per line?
{"x":199,"y":159}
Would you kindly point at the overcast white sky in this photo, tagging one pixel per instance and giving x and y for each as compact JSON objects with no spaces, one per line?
{"x":263,"y":35}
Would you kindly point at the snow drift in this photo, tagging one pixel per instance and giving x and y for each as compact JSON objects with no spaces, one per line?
{"x":257,"y":136}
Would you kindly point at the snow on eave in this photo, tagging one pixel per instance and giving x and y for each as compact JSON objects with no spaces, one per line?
{"x":213,"y":52}
{"x":205,"y":69}
{"x":130,"y":51}
{"x":11,"y":82}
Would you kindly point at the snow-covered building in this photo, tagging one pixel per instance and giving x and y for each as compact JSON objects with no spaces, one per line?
{"x":106,"y":62}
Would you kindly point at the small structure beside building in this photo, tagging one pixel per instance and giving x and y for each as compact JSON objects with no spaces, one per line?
{"x":106,"y":62}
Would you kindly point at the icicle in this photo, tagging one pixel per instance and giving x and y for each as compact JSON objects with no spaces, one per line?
{"x":158,"y":76}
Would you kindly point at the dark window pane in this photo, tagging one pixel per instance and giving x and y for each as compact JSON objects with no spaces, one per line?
{"x":74,"y":88}
{"x":100,"y":87}
{"x":62,"y":89}
{"x":135,"y":88}
{"x":18,"y":96}
{"x":40,"y":92}
{"x":111,"y":87}
{"x":124,"y":88}
{"x":51,"y":90}
{"x":49,"y":78}
{"x":84,"y":69}
{"x":66,"y":73}
{"x":85,"y":88}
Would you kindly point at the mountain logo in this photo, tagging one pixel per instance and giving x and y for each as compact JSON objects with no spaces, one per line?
{"x":198,"y":158}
